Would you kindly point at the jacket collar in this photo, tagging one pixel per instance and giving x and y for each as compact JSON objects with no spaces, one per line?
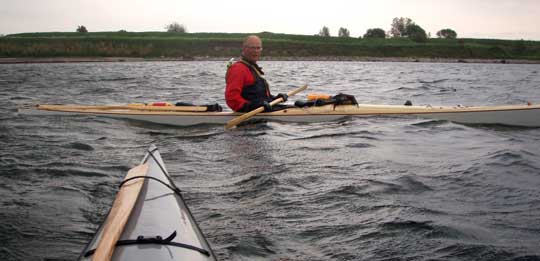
{"x":253,"y":64}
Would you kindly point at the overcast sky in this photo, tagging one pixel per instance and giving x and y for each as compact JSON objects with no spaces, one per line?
{"x":502,"y":19}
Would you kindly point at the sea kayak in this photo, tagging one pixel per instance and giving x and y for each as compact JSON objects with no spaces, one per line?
{"x":515,"y":115}
{"x":157,"y":225}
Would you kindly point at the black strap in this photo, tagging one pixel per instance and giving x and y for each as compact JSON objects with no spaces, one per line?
{"x":339,"y":99}
{"x":213,"y":107}
{"x":175,"y":189}
{"x":141,"y":240}
{"x":342,"y":98}
{"x":151,"y":154}
{"x":209,"y":107}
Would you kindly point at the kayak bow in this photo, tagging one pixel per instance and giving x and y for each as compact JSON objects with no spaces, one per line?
{"x":160,"y":226}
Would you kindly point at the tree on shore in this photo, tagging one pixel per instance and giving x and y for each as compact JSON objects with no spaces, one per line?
{"x":399,"y":26}
{"x":175,"y":27}
{"x":82,"y":29}
{"x":375,"y":33}
{"x":405,"y":27}
{"x":344,"y":32}
{"x":324,"y":32}
{"x":447,"y":34}
{"x":416,"y":33}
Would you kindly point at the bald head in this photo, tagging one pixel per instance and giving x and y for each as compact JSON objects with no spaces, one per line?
{"x":252,"y":48}
{"x":251,"y":40}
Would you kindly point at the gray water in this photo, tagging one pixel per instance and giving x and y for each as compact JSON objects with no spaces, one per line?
{"x":376,"y":188}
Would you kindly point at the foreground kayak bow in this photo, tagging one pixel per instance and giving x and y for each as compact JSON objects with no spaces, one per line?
{"x":159,"y":227}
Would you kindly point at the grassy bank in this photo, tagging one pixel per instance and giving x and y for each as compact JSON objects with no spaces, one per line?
{"x":196,"y":45}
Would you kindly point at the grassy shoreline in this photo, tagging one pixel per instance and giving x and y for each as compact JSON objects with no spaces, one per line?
{"x":162,"y":46}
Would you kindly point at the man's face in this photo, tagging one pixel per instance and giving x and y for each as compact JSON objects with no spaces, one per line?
{"x":252,"y":49}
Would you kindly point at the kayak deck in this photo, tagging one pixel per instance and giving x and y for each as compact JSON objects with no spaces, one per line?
{"x":517,"y":115}
{"x":159,"y":211}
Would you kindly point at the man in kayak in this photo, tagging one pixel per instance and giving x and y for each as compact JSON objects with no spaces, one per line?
{"x":247,"y":89}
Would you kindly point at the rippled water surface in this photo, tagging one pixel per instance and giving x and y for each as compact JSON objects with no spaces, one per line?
{"x":375,"y":188}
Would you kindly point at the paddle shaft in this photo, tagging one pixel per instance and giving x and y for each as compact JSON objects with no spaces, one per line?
{"x":119,"y":214}
{"x":124,"y":107}
{"x":232,"y":123}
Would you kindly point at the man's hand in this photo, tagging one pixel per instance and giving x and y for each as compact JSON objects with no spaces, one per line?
{"x":283,"y":96}
{"x":267,"y":106}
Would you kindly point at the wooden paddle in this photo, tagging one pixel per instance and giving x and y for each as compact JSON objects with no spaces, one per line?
{"x":232,"y":123}
{"x":119,"y":214}
{"x":123,"y":107}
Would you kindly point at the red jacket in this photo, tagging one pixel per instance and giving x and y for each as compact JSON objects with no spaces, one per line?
{"x":238,"y":76}
{"x":245,"y":90}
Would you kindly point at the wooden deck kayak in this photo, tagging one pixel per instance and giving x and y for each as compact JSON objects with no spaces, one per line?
{"x":149,"y":220}
{"x":515,"y":115}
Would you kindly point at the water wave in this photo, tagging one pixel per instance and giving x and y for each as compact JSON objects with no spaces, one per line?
{"x":373,"y":188}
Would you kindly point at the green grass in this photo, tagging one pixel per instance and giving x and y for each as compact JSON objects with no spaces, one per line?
{"x":189,"y":45}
